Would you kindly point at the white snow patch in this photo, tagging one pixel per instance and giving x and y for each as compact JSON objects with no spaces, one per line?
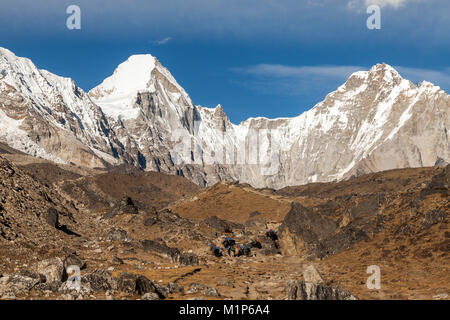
{"x":18,"y":139}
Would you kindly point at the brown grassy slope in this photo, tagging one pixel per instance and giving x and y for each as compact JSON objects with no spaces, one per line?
{"x":379,"y":182}
{"x":233,"y":203}
{"x":147,"y":189}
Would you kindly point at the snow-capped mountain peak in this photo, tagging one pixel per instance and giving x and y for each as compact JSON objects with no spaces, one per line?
{"x":131,"y":75}
{"x":117,"y":94}
{"x":140,"y":115}
{"x":53,"y":115}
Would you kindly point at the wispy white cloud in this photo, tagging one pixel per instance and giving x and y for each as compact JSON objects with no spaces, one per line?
{"x":304,"y":80}
{"x":357,"y":4}
{"x":162,"y":41}
{"x":300,"y":81}
{"x":438,"y":77}
{"x":278,"y":70}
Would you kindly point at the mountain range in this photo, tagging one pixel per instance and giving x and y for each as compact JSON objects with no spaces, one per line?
{"x":141,"y":116}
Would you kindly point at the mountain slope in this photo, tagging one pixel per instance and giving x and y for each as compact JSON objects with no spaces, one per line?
{"x":141,"y":116}
{"x":50,"y":116}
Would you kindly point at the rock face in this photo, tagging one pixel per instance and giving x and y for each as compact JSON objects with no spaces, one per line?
{"x":300,"y":290}
{"x":314,"y":233}
{"x":27,"y":209}
{"x":141,"y":116}
{"x":50,"y":116}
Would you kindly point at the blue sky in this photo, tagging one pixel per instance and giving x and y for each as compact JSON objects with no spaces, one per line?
{"x":272,"y":58}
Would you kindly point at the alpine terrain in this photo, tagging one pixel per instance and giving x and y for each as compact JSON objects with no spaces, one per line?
{"x":141,"y":116}
{"x":130,"y":191}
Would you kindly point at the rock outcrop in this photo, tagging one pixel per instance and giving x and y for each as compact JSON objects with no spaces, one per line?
{"x":301,"y":290}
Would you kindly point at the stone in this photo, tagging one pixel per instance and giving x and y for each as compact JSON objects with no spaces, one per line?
{"x":52,"y":217}
{"x":100,"y":280}
{"x":127,"y":283}
{"x":226,"y":283}
{"x":73,"y":260}
{"x":68,"y":289}
{"x":48,"y":286}
{"x":432,"y":217}
{"x":52,"y":269}
{"x":312,"y":275}
{"x":311,"y":233}
{"x":13,"y":285}
{"x":175,"y":287}
{"x":196,"y":287}
{"x":150,"y":296}
{"x":138,"y":284}
{"x":301,"y":290}
{"x":125,"y":206}
{"x":116,"y":234}
{"x":187,"y":259}
{"x":144,"y":285}
{"x":150,"y":222}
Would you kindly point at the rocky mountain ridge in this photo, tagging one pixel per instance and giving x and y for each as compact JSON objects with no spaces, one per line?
{"x":141,"y":116}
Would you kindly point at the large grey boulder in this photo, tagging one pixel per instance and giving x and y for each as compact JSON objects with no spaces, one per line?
{"x":13,"y":285}
{"x":100,"y":280}
{"x":301,"y":290}
{"x":138,"y":284}
{"x":196,"y":287}
{"x":52,"y":269}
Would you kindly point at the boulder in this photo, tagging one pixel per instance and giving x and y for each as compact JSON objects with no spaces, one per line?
{"x":100,"y":280}
{"x":13,"y":285}
{"x":138,"y":284}
{"x":144,"y":285}
{"x":440,"y":183}
{"x":125,"y":206}
{"x":205,"y":290}
{"x":127,"y":283}
{"x":84,"y":289}
{"x":52,"y":269}
{"x":48,"y":286}
{"x":52,"y":217}
{"x":150,"y":296}
{"x":187,"y":259}
{"x":312,"y":275}
{"x":175,"y":287}
{"x":149,"y":222}
{"x":301,"y":290}
{"x":73,"y":260}
{"x":433,"y":217}
{"x":117,"y":234}
{"x":313,"y":233}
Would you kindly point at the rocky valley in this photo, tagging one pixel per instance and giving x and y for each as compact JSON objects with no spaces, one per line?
{"x":146,"y":235}
{"x":130,"y":191}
